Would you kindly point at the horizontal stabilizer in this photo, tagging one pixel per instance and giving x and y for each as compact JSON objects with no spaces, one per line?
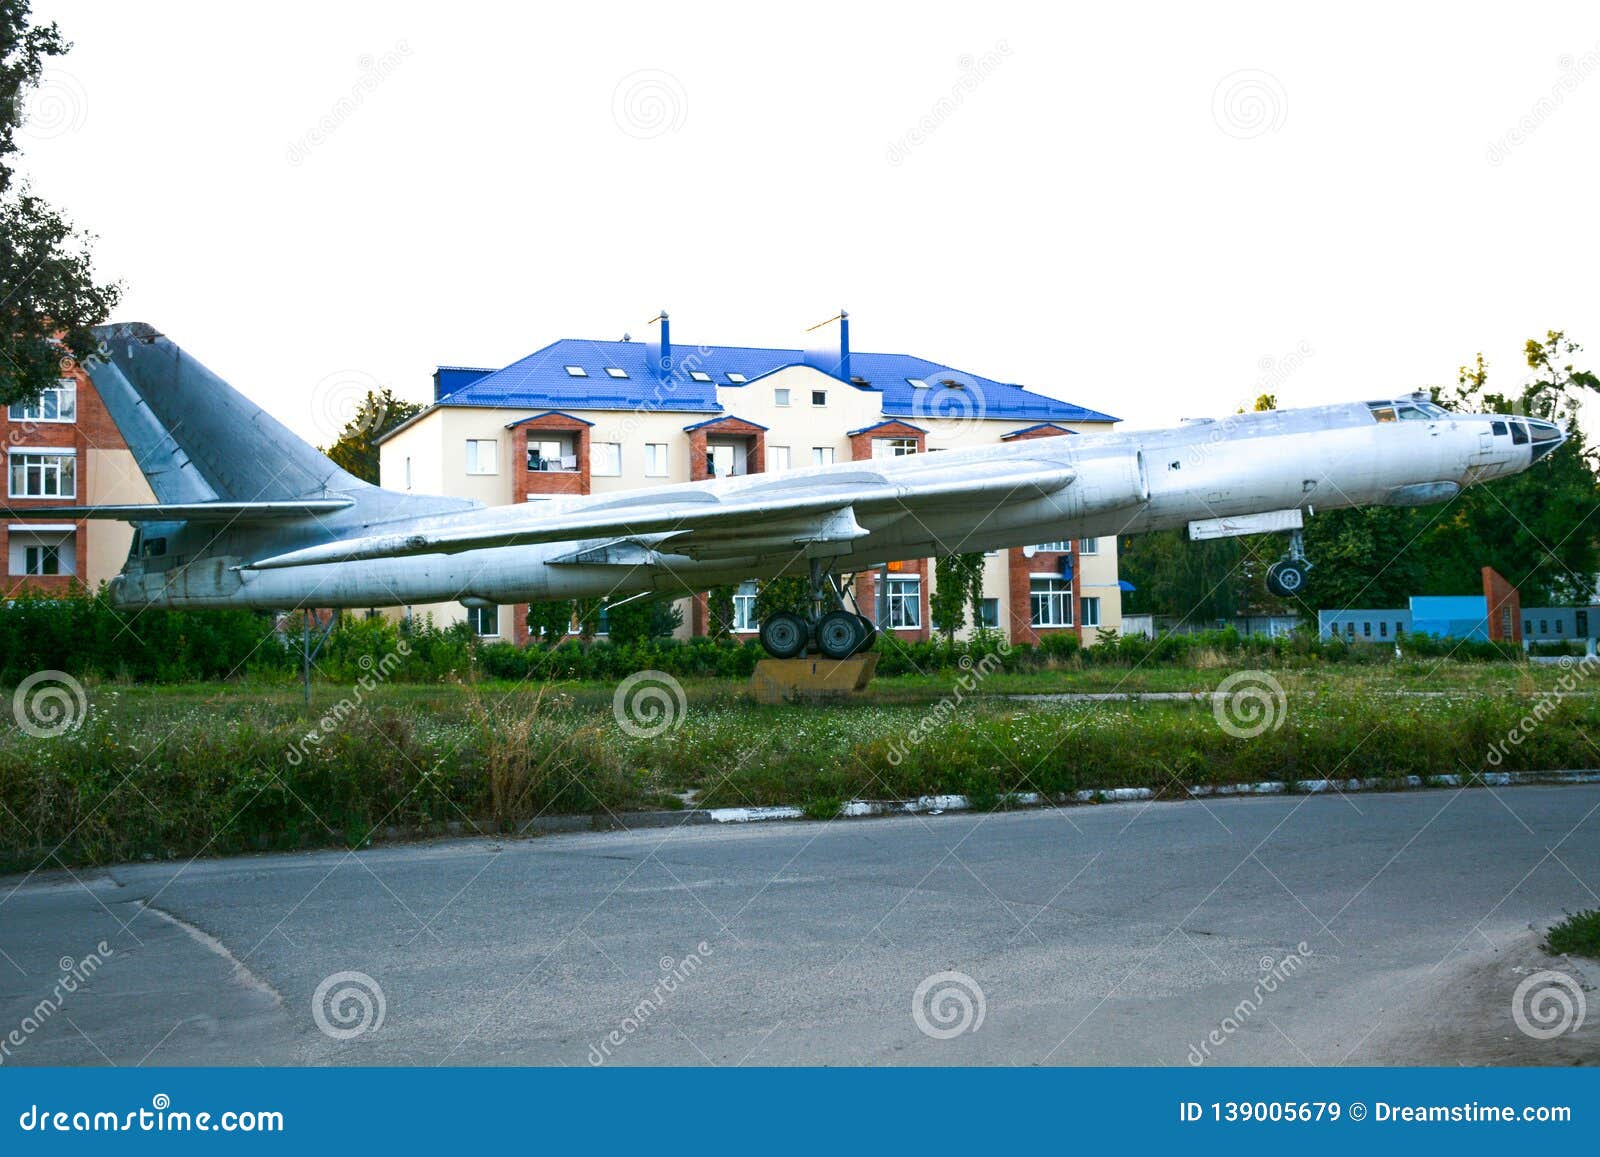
{"x":190,"y":511}
{"x":752,"y":511}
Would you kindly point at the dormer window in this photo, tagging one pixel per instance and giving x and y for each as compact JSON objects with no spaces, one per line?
{"x":917,"y":383}
{"x":737,"y":379}
{"x":577,"y":372}
{"x":616,"y":372}
{"x":699,"y":375}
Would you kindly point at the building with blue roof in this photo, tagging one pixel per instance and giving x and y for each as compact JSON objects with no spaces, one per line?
{"x":581,"y":417}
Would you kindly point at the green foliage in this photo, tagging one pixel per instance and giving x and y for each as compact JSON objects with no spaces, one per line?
{"x":356,"y":449}
{"x":550,"y":623}
{"x":1577,"y":935}
{"x":642,"y":619}
{"x":49,"y":298}
{"x":719,"y":611}
{"x":958,"y":585}
{"x":791,"y":594}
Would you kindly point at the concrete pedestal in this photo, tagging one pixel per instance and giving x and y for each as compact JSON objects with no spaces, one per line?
{"x":812,"y":678}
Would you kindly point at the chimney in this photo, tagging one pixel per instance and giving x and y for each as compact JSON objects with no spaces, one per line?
{"x":823,"y":354}
{"x":658,"y":348}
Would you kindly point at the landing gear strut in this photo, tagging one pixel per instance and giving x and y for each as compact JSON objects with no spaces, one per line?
{"x":836,"y":633}
{"x":1287,"y":577}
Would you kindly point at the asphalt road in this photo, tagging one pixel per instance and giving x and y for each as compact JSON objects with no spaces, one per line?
{"x":1370,"y":929}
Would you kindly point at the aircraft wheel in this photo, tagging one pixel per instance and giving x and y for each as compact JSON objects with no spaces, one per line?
{"x":1286,"y":577}
{"x":785,"y":635}
{"x":839,"y":634}
{"x":869,"y":634}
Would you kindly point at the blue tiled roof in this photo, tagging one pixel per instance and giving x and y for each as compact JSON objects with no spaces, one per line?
{"x":540,"y":381}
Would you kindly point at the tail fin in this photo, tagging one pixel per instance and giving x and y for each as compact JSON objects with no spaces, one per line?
{"x":196,"y":438}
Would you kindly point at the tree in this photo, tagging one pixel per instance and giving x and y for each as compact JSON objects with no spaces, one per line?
{"x":49,"y":297}
{"x":776,"y":595}
{"x":549,"y":622}
{"x":638,"y":620}
{"x":356,"y":449}
{"x":719,"y":612}
{"x":957,"y":585}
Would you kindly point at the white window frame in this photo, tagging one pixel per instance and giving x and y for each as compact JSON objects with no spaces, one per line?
{"x":822,"y":455}
{"x":49,"y":398}
{"x":986,"y":605}
{"x":616,"y":372}
{"x":605,"y":459}
{"x":1052,"y":606}
{"x":737,"y":379}
{"x":780,"y":395}
{"x":903,"y":602}
{"x":657,"y":460}
{"x":577,"y":372}
{"x":778,"y":459}
{"x":1088,"y":546}
{"x":744,"y":609}
{"x":815,"y":394}
{"x":50,"y":465}
{"x":699,"y":376}
{"x":893,"y":447}
{"x":1089,"y":610}
{"x":475,"y":621}
{"x":28,"y":549}
{"x":475,"y":456}
{"x":559,"y":444}
{"x":1061,"y":547}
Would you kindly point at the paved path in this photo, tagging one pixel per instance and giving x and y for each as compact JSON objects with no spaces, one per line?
{"x":1125,"y":933}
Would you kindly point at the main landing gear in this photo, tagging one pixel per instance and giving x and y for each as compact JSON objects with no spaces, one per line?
{"x":836,"y":634}
{"x":1287,"y":577}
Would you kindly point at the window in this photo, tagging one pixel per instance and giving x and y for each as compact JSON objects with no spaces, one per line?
{"x":1061,"y":547}
{"x":737,"y":379}
{"x":1498,"y":427}
{"x":989,"y":614}
{"x":484,"y":621}
{"x":1519,"y":434}
{"x":577,"y":372}
{"x":40,"y":553}
{"x":1088,"y":546}
{"x":1383,"y":413}
{"x":1414,"y":414}
{"x":1527,"y":626}
{"x":819,"y":397}
{"x":1383,"y":630}
{"x":1050,"y":602}
{"x":1560,"y":627}
{"x":606,"y":459}
{"x":655,"y":459}
{"x":893,"y":447}
{"x":724,"y":460}
{"x":780,"y":396}
{"x":917,"y":383}
{"x":1350,"y":630}
{"x":744,"y":608}
{"x":482,"y":457}
{"x":777,"y":459}
{"x":1399,"y":629}
{"x":551,"y":454}
{"x":57,"y":403}
{"x":616,"y":372}
{"x":44,"y":474}
{"x":1091,"y":610}
{"x":1544,"y":626}
{"x":699,"y":376}
{"x":1366,"y":628}
{"x":822,"y":455}
{"x":905,"y":601}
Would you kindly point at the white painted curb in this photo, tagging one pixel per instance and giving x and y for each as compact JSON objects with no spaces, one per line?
{"x":938,"y":804}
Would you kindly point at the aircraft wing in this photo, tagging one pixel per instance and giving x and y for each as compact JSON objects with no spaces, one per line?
{"x":188,"y":511}
{"x":807,"y":508}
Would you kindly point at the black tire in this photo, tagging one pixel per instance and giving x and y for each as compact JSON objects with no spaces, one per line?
{"x":785,"y":635}
{"x":869,"y":634}
{"x":1286,"y":578}
{"x":839,"y":634}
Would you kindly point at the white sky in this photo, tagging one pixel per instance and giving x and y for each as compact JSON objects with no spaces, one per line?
{"x":1091,"y":220}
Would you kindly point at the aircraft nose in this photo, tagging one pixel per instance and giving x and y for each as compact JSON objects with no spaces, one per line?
{"x":1545,"y":437}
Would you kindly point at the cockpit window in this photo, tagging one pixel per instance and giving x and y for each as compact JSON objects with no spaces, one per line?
{"x":1407,"y":411}
{"x":1498,"y":427}
{"x":1433,"y":410}
{"x":1383,"y":413}
{"x":1519,"y":434}
{"x":1413,"y":414}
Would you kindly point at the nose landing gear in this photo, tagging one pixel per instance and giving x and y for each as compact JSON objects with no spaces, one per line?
{"x":836,"y":634}
{"x":1287,"y":577}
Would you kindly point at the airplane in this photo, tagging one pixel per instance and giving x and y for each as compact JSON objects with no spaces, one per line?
{"x":249,"y":515}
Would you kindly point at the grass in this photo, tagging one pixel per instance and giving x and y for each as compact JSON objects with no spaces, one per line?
{"x":1577,"y":935}
{"x":161,"y":772}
